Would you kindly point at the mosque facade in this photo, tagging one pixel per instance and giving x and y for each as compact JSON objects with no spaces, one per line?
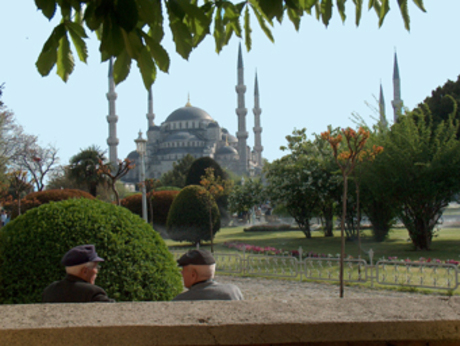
{"x":190,"y":130}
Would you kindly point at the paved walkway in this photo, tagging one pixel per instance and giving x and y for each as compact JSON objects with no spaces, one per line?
{"x":272,"y":289}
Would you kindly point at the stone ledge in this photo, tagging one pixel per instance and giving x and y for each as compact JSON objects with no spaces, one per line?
{"x":411,"y":321}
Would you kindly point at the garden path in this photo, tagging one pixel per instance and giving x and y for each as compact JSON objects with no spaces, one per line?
{"x":284,"y":290}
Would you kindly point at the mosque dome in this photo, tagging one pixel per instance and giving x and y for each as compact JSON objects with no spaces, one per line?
{"x":227,"y":137}
{"x":188,"y":113}
{"x":180,"y":136}
{"x":133,"y":155}
{"x":226,"y":150}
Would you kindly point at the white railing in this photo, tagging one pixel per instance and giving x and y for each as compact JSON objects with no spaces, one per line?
{"x":384,"y":272}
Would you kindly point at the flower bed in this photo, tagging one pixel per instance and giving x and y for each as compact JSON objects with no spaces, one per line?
{"x":269,"y":250}
{"x":269,"y":228}
{"x":425,"y":260}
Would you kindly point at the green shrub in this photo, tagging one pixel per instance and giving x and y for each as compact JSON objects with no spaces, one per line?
{"x":168,"y":188}
{"x":138,"y":265}
{"x":133,"y":203}
{"x":188,"y":218}
{"x":36,"y":199}
{"x":198,"y":169}
{"x":161,"y":202}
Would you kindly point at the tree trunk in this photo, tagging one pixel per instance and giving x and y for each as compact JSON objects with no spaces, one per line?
{"x":93,"y":190}
{"x":117,"y":196}
{"x":358,"y":217}
{"x":328,"y":213}
{"x":342,"y":230}
{"x":210,"y":227}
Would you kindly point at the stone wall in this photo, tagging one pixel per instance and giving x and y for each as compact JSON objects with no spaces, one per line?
{"x":389,"y":321}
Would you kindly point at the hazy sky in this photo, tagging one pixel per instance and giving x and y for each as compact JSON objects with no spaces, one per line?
{"x":308,"y":79}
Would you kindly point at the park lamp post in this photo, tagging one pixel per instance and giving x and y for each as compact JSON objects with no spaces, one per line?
{"x":141,"y":148}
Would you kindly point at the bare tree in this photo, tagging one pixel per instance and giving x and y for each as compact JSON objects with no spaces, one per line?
{"x":38,"y":161}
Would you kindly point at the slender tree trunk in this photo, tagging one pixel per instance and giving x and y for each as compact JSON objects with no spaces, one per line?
{"x":358,"y":216}
{"x":149,"y":201}
{"x":117,"y":196}
{"x":210,"y":227}
{"x":342,"y":230}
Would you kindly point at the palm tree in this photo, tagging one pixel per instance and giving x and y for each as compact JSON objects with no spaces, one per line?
{"x":84,"y":168}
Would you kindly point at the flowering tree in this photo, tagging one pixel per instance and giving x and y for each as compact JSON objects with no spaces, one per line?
{"x":122,"y":168}
{"x":216,"y":187}
{"x":346,"y":159}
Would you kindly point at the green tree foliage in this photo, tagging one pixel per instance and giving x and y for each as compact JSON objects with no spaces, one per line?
{"x":188,"y":218}
{"x":198,"y":170}
{"x":245,"y":195}
{"x":443,"y":102}
{"x":134,"y":29}
{"x":84,"y":168}
{"x":137,"y":267}
{"x":36,"y":199}
{"x":375,"y":195}
{"x":305,"y":181}
{"x":420,"y":166}
{"x":176,"y":176}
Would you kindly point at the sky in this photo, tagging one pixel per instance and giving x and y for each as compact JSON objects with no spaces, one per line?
{"x":312,"y":78}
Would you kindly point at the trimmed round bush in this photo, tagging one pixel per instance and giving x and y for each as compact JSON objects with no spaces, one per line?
{"x":137,"y":267}
{"x":188,"y":218}
{"x":36,"y":199}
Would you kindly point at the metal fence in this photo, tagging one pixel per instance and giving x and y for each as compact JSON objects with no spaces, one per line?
{"x":384,"y":272}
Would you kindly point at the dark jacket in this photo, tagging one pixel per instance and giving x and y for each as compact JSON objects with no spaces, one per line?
{"x":72,"y":289}
{"x":211,"y":290}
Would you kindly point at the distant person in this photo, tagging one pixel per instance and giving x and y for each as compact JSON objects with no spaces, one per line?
{"x":198,"y":267}
{"x":81,"y":265}
{"x":3,"y":218}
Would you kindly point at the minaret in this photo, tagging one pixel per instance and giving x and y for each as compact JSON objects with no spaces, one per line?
{"x":397,"y":102}
{"x":241,"y":111}
{"x":150,"y":114}
{"x":257,"y":128}
{"x":383,"y":118}
{"x":112,"y":118}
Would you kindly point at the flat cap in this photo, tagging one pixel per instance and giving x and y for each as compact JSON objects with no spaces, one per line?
{"x":79,"y":255}
{"x":196,"y":257}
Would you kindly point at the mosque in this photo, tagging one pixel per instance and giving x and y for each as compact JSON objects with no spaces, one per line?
{"x":191,"y":130}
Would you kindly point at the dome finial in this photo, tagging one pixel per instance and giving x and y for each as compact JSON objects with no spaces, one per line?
{"x":188,"y":104}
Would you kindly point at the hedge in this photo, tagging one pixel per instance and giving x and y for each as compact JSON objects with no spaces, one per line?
{"x":161,"y":202}
{"x":36,"y":199}
{"x":137,"y":267}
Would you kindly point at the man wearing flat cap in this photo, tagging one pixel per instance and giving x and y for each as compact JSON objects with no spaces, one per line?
{"x":198,"y":267}
{"x":81,"y":265}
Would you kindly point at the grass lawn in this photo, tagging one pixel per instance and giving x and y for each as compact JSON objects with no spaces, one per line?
{"x":445,"y":246}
